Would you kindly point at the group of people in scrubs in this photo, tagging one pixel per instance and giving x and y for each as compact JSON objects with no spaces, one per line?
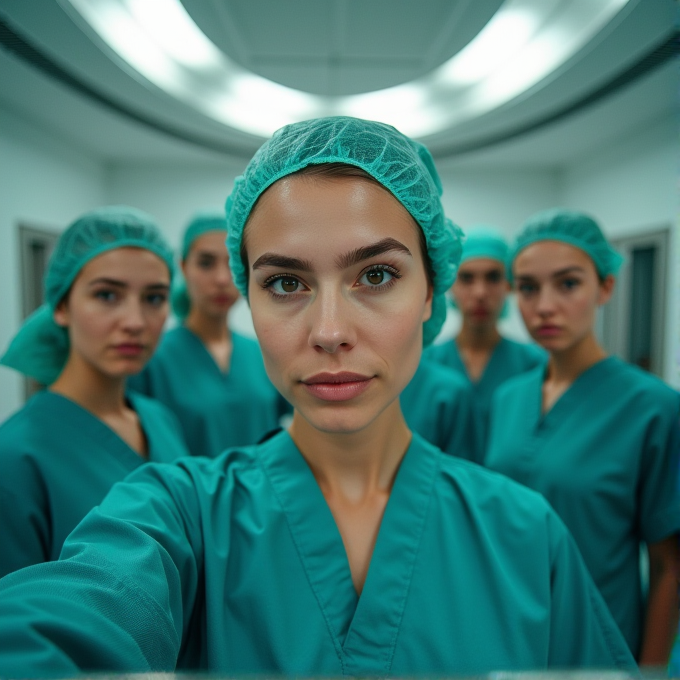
{"x":366,"y":537}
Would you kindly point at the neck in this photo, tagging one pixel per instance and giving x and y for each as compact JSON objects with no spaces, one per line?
{"x":476,"y":337}
{"x":98,"y":393}
{"x":357,"y":464}
{"x":566,"y":366}
{"x":210,"y":329}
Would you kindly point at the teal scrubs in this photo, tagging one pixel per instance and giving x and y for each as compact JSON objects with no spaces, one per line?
{"x":606,"y":457}
{"x":437,"y":404}
{"x":508,"y":359}
{"x":58,"y":461}
{"x":217,"y":410}
{"x":235,"y":565}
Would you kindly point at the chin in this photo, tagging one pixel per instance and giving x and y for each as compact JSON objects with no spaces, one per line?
{"x":338,"y":419}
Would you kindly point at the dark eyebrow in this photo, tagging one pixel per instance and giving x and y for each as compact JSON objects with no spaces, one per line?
{"x":122,"y":284}
{"x":283,"y":262}
{"x":366,"y":252}
{"x":567,"y":270}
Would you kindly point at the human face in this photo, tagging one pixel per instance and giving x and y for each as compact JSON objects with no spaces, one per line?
{"x":339,"y":294}
{"x":558,"y":292}
{"x":116,"y":309}
{"x":206,"y":270}
{"x":479,"y":290}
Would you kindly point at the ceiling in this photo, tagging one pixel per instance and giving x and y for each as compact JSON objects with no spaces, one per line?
{"x":336,"y":48}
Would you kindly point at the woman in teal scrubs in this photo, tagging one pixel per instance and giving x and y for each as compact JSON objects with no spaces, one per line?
{"x":596,"y":436}
{"x":346,"y":545}
{"x":479,"y":353}
{"x":212,"y":378}
{"x":106,"y":290}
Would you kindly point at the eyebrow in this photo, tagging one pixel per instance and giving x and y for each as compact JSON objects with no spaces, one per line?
{"x":122,"y":284}
{"x":557,"y":274}
{"x":274,"y":260}
{"x":357,"y":255}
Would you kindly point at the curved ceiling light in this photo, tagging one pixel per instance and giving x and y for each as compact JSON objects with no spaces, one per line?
{"x":525,"y":41}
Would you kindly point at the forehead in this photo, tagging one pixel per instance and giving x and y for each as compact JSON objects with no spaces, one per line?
{"x":214,"y":241}
{"x":544,"y":258}
{"x":126,"y":264}
{"x":329,"y":215}
{"x":480,"y":266}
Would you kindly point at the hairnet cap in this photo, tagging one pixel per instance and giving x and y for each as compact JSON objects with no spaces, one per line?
{"x":201,"y":223}
{"x":41,"y":347}
{"x":400,"y":164}
{"x":484,"y":242}
{"x":574,"y":228}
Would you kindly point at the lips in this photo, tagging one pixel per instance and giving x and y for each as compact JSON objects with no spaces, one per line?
{"x":548,"y":331}
{"x":337,"y":386}
{"x":129,"y":349}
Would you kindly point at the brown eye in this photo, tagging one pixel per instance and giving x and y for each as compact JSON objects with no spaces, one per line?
{"x":289,"y":285}
{"x":375,"y":277}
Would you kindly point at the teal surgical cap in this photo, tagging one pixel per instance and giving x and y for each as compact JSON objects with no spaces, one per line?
{"x":40,"y":349}
{"x":201,"y":223}
{"x":484,"y":242}
{"x":400,"y":164}
{"x":574,"y":228}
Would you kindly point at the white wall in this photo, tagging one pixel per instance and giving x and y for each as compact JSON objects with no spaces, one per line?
{"x":44,"y":182}
{"x":631,"y":187}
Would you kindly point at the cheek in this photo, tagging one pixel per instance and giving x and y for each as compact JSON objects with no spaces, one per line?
{"x":89,"y":326}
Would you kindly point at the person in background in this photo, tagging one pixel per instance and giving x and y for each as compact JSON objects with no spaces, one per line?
{"x":346,"y":545}
{"x":479,"y":353}
{"x":599,"y":438}
{"x":106,"y":287}
{"x":212,"y":378}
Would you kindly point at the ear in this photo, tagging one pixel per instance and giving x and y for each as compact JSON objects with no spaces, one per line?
{"x":61,"y":314}
{"x":183,"y":267}
{"x":427,"y":312}
{"x":606,"y":290}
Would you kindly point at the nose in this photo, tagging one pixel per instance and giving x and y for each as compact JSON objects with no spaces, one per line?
{"x":546,"y":301}
{"x":331,"y":322}
{"x":224,"y":275}
{"x":133,"y":317}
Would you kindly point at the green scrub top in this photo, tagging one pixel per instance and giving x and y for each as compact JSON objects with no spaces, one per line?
{"x":217,"y":410}
{"x":437,"y":404}
{"x":508,"y":359}
{"x":235,"y":565}
{"x":606,"y":456}
{"x":58,"y":461}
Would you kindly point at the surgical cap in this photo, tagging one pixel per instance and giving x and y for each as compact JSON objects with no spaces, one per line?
{"x":400,"y":164}
{"x":574,"y":228}
{"x":201,"y":223}
{"x":40,"y":349}
{"x":484,"y":242}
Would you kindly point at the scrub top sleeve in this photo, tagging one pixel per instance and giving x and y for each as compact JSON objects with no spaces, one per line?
{"x":583,"y":633}
{"x":660,"y":479}
{"x":122,"y":593}
{"x":24,"y":525}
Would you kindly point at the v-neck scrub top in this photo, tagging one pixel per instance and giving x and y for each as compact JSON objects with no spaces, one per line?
{"x":437,"y":404}
{"x":236,"y":566}
{"x":217,"y":410}
{"x":57,"y":461}
{"x":508,"y":359}
{"x":606,"y":456}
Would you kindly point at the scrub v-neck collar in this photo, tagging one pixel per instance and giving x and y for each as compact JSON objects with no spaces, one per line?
{"x":364,"y":629}
{"x":582,"y":389}
{"x":208,"y":358}
{"x":494,"y":357}
{"x":64,"y":409}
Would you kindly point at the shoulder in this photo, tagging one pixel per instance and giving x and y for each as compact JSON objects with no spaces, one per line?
{"x":150,"y":409}
{"x":245,"y":345}
{"x":491,"y":492}
{"x":435,"y":375}
{"x":173,"y":339}
{"x":639,"y":384}
{"x":520,"y":384}
{"x":440,"y":352}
